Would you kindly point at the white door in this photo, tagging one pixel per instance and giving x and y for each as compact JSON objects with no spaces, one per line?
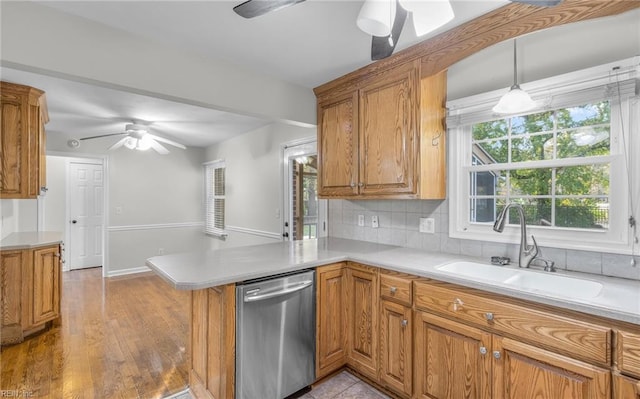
{"x":305,"y":216}
{"x":86,"y":211}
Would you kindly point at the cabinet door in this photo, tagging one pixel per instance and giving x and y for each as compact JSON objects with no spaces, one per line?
{"x":331,"y":319}
{"x":14,"y":140}
{"x":46,"y":284}
{"x":388,"y":133}
{"x":12,"y":264}
{"x":452,"y":360}
{"x":625,"y":387}
{"x":338,"y":146}
{"x":362,"y":293}
{"x":213,"y":329}
{"x":522,"y":371}
{"x":396,"y":347}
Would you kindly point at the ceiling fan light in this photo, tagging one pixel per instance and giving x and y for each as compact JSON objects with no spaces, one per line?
{"x":144,"y":143}
{"x":376,"y":17}
{"x":514,"y":101}
{"x":131,"y":143}
{"x":430,"y":15}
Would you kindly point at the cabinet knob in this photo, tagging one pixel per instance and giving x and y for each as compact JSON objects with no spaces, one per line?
{"x":496,"y":354}
{"x":488,"y":316}
{"x":57,"y":255}
{"x":457,"y":302}
{"x":352,"y":185}
{"x":393,"y":290}
{"x":404,"y":323}
{"x":483,"y":350}
{"x":361,"y":184}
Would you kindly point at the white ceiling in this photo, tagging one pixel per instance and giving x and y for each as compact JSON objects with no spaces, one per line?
{"x":308,"y":44}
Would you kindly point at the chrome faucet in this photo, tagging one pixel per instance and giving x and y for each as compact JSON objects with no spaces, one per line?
{"x":527,"y":252}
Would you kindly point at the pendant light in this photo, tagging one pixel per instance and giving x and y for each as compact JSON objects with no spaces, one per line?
{"x":428,"y":15}
{"x":515,"y":100}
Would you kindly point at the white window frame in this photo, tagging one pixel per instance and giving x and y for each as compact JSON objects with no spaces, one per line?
{"x":211,"y":213}
{"x":576,"y":88}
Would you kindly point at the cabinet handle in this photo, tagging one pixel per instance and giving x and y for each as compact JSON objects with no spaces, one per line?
{"x":393,"y":290}
{"x":496,"y":354}
{"x":489,"y":316}
{"x":404,"y":323}
{"x":483,"y":350}
{"x":457,"y":302}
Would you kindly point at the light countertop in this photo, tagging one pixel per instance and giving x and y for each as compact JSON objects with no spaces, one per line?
{"x":619,"y":298}
{"x":30,"y":239}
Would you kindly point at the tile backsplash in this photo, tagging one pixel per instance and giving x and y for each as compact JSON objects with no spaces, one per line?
{"x":399,"y":225}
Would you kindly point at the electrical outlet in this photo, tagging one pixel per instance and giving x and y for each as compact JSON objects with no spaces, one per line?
{"x":361,"y":220}
{"x":427,"y":225}
{"x":374,"y":222}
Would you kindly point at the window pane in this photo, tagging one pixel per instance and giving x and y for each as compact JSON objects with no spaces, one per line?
{"x":537,"y":211}
{"x":584,"y":142}
{"x":585,"y":213}
{"x":532,"y":123}
{"x":490,"y":130}
{"x":530,"y":181}
{"x":584,"y":115}
{"x":491,"y":152}
{"x":483,"y":210}
{"x":531,"y":148}
{"x":583,"y":180}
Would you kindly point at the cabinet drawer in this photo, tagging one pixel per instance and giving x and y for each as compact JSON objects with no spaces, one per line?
{"x":628,"y":353}
{"x":395,"y":288}
{"x":580,"y":339}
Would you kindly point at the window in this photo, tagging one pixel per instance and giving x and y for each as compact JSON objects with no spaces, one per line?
{"x":566,"y":164}
{"x":215,"y":198}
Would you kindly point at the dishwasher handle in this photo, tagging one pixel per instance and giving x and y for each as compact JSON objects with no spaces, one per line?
{"x":293,"y":288}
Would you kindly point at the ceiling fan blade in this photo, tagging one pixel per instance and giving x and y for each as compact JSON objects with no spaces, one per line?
{"x":381,"y":46}
{"x":118,"y":144}
{"x":103,"y":135}
{"x":540,"y":3}
{"x":160,"y":149}
{"x":255,"y":8}
{"x":167,"y":141}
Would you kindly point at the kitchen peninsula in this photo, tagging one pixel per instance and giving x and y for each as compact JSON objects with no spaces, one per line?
{"x":383,"y":311}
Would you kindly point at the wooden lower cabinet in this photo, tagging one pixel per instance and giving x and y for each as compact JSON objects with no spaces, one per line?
{"x":452,"y":360}
{"x":522,"y":371}
{"x":30,"y":290}
{"x":363,"y":308}
{"x":396,"y":346}
{"x":331,"y":319}
{"x":213,"y":326}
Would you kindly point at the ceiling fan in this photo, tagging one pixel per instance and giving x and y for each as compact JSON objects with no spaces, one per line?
{"x":382,"y":45}
{"x":137,"y":137}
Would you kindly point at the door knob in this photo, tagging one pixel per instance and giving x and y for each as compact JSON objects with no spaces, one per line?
{"x":74,"y":221}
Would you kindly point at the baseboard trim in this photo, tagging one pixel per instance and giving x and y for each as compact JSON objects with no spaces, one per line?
{"x":155,"y":226}
{"x":261,"y":233}
{"x":124,"y":272}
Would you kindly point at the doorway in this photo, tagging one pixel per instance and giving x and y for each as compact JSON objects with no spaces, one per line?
{"x":305,"y":215}
{"x":86,"y":213}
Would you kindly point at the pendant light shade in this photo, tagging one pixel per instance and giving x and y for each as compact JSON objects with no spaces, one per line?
{"x":515,"y":100}
{"x":376,"y":17}
{"x":428,"y":15}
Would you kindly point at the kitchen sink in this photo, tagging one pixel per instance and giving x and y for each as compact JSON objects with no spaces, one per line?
{"x":527,"y":280}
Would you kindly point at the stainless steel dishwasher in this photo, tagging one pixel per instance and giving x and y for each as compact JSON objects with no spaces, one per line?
{"x":275,"y":336}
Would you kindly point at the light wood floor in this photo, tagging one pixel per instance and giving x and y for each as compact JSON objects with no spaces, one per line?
{"x":122,"y":337}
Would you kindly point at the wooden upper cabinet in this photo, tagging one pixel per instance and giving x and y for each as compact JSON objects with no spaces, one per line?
{"x":338,"y":145}
{"x":382,"y":136}
{"x":22,"y":141}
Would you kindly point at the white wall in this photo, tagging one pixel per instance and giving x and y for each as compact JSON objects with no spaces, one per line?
{"x":254,"y":182}
{"x":160,"y":196}
{"x":547,"y":53}
{"x":41,"y":39}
